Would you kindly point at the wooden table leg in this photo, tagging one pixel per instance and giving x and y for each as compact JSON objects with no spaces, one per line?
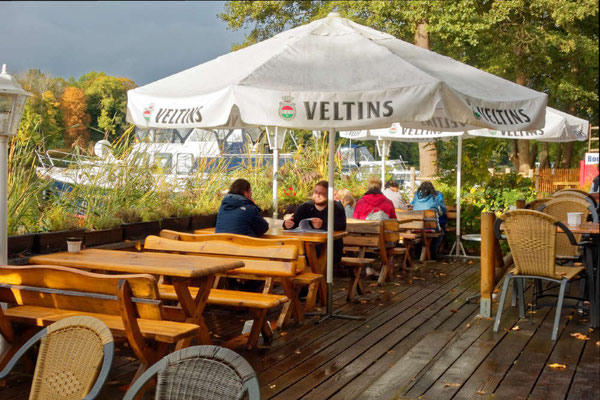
{"x":318,"y":267}
{"x":193,"y":308}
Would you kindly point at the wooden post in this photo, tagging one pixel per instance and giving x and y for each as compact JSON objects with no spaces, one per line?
{"x":487,"y":263}
{"x":521,"y":203}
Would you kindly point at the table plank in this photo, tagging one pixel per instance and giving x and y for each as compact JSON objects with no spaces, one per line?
{"x":176,"y":265}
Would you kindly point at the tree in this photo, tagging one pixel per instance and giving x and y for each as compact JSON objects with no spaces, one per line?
{"x":73,"y":105}
{"x":107,"y":102}
{"x":42,"y":121}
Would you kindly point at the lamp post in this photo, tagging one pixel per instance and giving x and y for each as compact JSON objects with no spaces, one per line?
{"x":12,"y":104}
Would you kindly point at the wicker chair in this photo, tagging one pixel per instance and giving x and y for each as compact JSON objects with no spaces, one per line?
{"x":74,"y":359}
{"x":558,"y":208}
{"x":535,"y":204}
{"x":580,"y":194}
{"x":531,"y":237}
{"x":200,"y":372}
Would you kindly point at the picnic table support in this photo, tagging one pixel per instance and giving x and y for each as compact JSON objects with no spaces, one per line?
{"x":329,"y":313}
{"x":487,"y":263}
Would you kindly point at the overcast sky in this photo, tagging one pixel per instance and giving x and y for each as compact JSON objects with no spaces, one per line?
{"x":143,"y":41}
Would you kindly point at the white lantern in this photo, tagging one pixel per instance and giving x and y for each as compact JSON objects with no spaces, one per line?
{"x":12,"y":103}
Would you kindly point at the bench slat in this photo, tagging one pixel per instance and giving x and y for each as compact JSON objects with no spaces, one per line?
{"x":163,"y":331}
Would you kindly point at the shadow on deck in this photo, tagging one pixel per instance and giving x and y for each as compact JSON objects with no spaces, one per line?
{"x":420,"y":339}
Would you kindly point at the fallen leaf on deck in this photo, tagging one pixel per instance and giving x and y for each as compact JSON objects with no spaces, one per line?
{"x":272,"y":386}
{"x":381,"y":291}
{"x":283,"y":333}
{"x":557,"y":366}
{"x":570,"y":317}
{"x":453,"y":310}
{"x":468,"y":325}
{"x":215,"y":335}
{"x":580,"y":336}
{"x":396,"y":284}
{"x":496,"y":291}
{"x":298,"y":351}
{"x":516,"y":328}
{"x":531,"y":312}
{"x":584,"y":320}
{"x":470,"y":262}
{"x":381,"y":304}
{"x":391,"y":351}
{"x":410,"y":282}
{"x":363,"y":301}
{"x":372,"y":284}
{"x":590,"y":330}
{"x":418,"y":278}
{"x":598,"y":343}
{"x":451,"y":385}
{"x":442,"y":274}
{"x":481,"y":392}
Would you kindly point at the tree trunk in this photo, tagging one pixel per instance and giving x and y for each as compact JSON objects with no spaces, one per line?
{"x":427,"y":151}
{"x":523,"y":145}
{"x":545,"y":156}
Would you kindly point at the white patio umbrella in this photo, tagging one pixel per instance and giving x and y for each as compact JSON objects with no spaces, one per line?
{"x":333,"y":74}
{"x":559,"y":127}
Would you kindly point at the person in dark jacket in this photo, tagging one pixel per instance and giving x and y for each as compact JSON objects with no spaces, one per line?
{"x":316,"y":211}
{"x":374,"y":200}
{"x":238,"y":213}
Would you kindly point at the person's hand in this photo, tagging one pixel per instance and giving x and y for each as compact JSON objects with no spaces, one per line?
{"x":289,"y":223}
{"x":317,"y":223}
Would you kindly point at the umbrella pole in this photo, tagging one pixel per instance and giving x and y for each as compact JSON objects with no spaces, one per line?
{"x":275,"y":175}
{"x":458,"y":243}
{"x":330,"y":177}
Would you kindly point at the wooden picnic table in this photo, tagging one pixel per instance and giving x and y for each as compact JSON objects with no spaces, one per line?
{"x":181,"y":270}
{"x":312,"y":242}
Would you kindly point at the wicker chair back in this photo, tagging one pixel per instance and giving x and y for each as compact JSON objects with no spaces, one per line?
{"x":531,"y":236}
{"x":558,"y":208}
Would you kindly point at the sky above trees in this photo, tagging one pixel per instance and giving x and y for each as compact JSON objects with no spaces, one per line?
{"x":142,"y":41}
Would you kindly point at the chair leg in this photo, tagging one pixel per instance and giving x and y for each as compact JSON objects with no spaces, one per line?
{"x":518,"y":287}
{"x":515,"y":295}
{"x":501,"y":303}
{"x":559,"y":304}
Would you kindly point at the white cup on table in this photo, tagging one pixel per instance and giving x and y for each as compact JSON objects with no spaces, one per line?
{"x":574,"y":218}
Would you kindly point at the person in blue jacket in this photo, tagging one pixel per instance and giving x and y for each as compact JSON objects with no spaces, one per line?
{"x":238,"y":213}
{"x":427,"y":198}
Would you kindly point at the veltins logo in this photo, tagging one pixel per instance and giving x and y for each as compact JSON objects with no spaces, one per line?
{"x":148,"y":112}
{"x":287,"y":109}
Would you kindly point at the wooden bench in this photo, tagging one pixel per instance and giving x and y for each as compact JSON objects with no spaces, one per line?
{"x":260,"y":263}
{"x":418,"y":226}
{"x":303,"y":277}
{"x":378,"y":237}
{"x":128,"y":304}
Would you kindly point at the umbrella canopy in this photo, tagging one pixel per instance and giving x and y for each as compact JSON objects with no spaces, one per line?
{"x":559,"y":127}
{"x":333,"y":74}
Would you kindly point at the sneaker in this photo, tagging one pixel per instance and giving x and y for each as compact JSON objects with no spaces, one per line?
{"x":371,"y":272}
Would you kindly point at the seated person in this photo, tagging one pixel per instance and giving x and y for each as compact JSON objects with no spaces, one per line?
{"x":316,"y":211}
{"x":238,"y":213}
{"x":373,"y":201}
{"x":391,"y":192}
{"x":427,"y":198}
{"x":348,"y":203}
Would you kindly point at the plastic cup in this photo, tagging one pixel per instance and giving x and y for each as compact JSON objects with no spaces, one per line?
{"x":574,"y":218}
{"x":74,"y":245}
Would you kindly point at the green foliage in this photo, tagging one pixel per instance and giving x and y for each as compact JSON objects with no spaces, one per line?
{"x":107,"y":102}
{"x":24,"y":188}
{"x":58,"y":216}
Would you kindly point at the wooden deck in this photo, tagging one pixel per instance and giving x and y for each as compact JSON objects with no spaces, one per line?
{"x":421,"y":339}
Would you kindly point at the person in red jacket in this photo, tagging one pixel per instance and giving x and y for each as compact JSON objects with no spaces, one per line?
{"x":373,"y":201}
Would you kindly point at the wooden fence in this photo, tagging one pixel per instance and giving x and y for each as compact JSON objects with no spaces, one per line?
{"x":551,"y":180}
